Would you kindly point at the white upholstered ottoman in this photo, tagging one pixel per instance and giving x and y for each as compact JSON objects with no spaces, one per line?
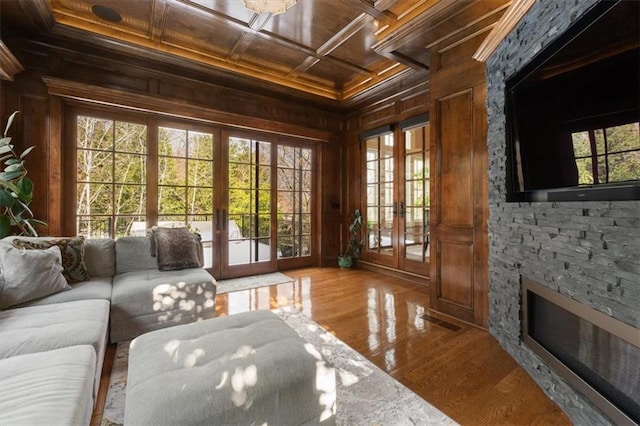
{"x":248,"y":368}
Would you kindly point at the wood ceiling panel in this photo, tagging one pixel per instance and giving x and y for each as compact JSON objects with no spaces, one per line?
{"x":337,"y":49}
{"x":312,"y":23}
{"x":283,"y":59}
{"x":339,"y":76}
{"x":234,"y":9}
{"x":135,"y":15}
{"x":357,"y":49}
{"x":187,"y":28}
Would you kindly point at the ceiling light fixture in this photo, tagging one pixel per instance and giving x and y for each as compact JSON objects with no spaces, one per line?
{"x":273,"y":7}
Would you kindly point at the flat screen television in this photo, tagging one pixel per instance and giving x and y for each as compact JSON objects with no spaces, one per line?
{"x":573,"y":113}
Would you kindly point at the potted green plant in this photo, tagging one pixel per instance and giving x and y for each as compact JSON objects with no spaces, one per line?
{"x":16,"y":190}
{"x":354,"y":246}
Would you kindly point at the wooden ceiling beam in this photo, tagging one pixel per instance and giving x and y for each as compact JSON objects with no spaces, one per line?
{"x":344,"y":34}
{"x":332,"y":44}
{"x":369,"y":8}
{"x":257,"y":23}
{"x":159,"y":15}
{"x":39,"y":12}
{"x":383,"y":5}
{"x":9,"y":65}
{"x":507,"y":23}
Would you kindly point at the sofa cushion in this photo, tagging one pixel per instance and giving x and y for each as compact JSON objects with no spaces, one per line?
{"x":42,"y":328}
{"x":29,"y":274}
{"x":100,"y":257}
{"x":53,"y":387}
{"x":71,"y":249}
{"x":94,"y":288}
{"x":134,"y":254}
{"x":149,"y":299}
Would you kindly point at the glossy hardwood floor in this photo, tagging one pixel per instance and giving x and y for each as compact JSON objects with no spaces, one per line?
{"x":458,"y":368}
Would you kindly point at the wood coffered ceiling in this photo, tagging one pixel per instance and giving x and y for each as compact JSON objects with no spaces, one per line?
{"x":335,"y":49}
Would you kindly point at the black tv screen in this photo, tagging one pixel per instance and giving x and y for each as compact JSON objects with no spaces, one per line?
{"x":573,"y":113}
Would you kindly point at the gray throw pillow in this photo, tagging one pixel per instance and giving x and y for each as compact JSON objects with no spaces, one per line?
{"x":177,"y":248}
{"x":29,"y":274}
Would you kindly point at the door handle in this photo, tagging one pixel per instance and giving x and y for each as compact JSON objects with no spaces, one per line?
{"x":395,"y":209}
{"x":217,"y":219}
{"x":224,"y":219}
{"x":401,"y":209}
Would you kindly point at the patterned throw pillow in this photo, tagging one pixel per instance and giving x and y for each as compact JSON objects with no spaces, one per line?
{"x":72,"y":250}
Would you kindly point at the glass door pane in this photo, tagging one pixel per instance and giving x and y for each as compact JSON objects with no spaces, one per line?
{"x":185,"y":183}
{"x":414,"y":210}
{"x":248,"y":222}
{"x":294,"y":202}
{"x":381,"y":209}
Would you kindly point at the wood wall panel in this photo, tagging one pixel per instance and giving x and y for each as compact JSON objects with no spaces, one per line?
{"x":415,"y":102}
{"x":379,"y":116}
{"x":455,"y":128}
{"x":459,"y":190}
{"x":455,"y":282}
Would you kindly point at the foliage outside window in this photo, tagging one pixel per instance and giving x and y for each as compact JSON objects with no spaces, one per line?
{"x":111,"y":176}
{"x":294,"y":201}
{"x":250,"y":196}
{"x":607,"y":155}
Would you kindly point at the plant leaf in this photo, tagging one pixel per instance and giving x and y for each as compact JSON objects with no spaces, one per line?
{"x":5,"y":226}
{"x":9,"y":185}
{"x":5,"y":141}
{"x":14,"y":167}
{"x":9,"y":122}
{"x":6,"y":200}
{"x":25,"y":186}
{"x":30,"y":228}
{"x":26,"y":151}
{"x":7,"y":176}
{"x":5,"y":148}
{"x":37,"y":222}
{"x":11,"y":161}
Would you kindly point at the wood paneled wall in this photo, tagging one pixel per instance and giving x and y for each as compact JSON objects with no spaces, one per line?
{"x":459,"y":184}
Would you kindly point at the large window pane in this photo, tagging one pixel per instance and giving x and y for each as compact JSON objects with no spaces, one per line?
{"x":111,"y":176}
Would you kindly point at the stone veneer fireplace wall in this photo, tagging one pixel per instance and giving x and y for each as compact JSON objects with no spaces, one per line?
{"x":589,"y":251}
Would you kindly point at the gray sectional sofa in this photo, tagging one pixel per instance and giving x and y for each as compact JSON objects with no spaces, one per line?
{"x":52,"y":348}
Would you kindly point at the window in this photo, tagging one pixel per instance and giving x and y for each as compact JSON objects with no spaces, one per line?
{"x":111,"y":177}
{"x":381,"y":208}
{"x":294,"y":201}
{"x":185,"y":182}
{"x":607,"y":155}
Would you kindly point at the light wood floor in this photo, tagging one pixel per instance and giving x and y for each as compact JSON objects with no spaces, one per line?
{"x":462,"y":371}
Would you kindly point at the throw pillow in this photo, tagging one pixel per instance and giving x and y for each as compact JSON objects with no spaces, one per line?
{"x":177,"y":248}
{"x":29,"y":274}
{"x":72,"y":250}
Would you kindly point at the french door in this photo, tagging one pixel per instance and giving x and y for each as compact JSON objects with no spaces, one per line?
{"x":265,"y":215}
{"x":396,"y":194}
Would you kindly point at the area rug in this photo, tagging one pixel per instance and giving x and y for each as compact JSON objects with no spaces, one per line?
{"x":254,"y":281}
{"x":366,"y":395}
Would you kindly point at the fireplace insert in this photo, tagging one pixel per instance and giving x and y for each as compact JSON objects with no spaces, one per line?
{"x":597,"y":354}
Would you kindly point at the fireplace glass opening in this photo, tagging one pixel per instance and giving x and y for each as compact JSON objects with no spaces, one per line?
{"x":597,"y":354}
